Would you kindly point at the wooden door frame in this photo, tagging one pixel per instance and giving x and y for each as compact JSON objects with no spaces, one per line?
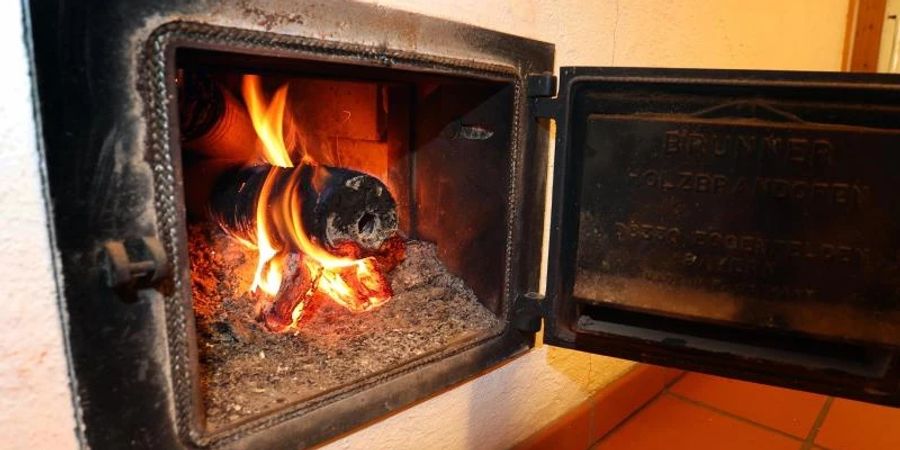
{"x":862,"y":37}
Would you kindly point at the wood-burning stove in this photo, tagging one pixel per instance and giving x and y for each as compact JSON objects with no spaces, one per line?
{"x":169,"y":346}
{"x":740,"y":223}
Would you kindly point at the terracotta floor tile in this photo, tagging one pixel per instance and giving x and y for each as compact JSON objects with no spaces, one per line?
{"x":669,"y":423}
{"x":786,"y":410}
{"x":854,"y":425}
{"x":569,"y":432}
{"x":626,"y":395}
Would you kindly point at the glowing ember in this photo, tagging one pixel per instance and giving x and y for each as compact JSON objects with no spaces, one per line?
{"x":358,"y":284}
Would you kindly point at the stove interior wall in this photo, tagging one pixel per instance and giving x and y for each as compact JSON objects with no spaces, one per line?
{"x":461,"y":180}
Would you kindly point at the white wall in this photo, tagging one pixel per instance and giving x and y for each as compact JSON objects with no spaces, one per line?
{"x":497,"y":409}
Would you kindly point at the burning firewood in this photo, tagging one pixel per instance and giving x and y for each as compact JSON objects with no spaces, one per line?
{"x":304,"y":282}
{"x":317,"y":231}
{"x":329,"y":204}
{"x":337,"y":205}
{"x":288,"y":305}
{"x":354,"y":207}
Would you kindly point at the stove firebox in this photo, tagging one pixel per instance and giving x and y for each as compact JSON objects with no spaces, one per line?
{"x":333,"y":234}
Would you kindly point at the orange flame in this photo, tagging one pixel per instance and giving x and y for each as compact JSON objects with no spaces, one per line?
{"x":355,"y":284}
{"x":269,"y":266}
{"x":268,"y":120}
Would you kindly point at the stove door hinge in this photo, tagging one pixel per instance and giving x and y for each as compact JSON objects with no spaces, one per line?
{"x":527,"y":312}
{"x":540,"y":90}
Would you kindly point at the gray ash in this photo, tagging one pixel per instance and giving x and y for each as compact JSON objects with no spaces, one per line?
{"x":246,"y":370}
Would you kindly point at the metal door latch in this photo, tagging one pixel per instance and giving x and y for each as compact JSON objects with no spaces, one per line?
{"x":133,"y":264}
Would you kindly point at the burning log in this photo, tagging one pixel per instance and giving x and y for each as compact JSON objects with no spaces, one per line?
{"x":327,"y":206}
{"x":289,"y":304}
{"x":354,"y":207}
{"x":317,"y":231}
{"x":338,"y":205}
{"x":305,"y":282}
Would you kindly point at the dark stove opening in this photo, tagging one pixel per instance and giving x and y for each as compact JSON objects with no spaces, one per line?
{"x":343,"y":221}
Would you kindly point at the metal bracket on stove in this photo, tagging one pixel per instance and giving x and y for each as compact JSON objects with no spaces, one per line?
{"x":527,"y":312}
{"x":540,"y":89}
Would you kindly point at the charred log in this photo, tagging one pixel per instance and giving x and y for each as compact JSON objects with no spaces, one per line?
{"x":289,"y":305}
{"x":299,"y":291}
{"x":354,"y":207}
{"x":232,"y":201}
{"x":338,"y":205}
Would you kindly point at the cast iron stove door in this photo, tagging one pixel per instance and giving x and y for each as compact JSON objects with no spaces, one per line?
{"x":740,"y":223}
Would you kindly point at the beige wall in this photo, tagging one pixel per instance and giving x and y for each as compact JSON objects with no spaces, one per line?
{"x":504,"y":405}
{"x":746,"y":34}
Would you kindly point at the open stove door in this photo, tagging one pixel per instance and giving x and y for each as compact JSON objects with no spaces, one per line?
{"x":740,"y":223}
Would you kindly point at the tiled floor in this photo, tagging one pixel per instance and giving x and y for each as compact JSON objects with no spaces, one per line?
{"x":701,"y":411}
